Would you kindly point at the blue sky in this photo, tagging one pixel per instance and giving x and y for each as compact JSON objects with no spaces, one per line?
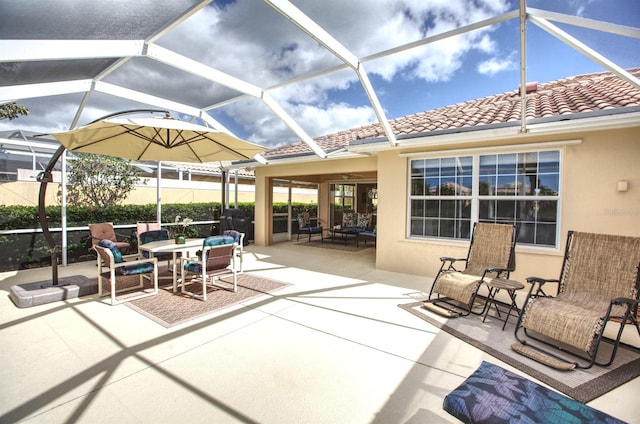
{"x":405,"y":91}
{"x":249,"y":40}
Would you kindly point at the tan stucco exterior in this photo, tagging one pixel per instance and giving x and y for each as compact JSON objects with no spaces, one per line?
{"x":26,"y":193}
{"x":592,"y":165}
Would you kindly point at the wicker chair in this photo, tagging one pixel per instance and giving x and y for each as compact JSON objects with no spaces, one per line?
{"x":598,"y":282}
{"x":491,"y":255}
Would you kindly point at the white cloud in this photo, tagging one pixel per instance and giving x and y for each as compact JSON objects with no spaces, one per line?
{"x":496,"y":65}
{"x":250,"y":41}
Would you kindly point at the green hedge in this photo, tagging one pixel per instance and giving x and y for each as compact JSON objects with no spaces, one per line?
{"x":21,"y":251}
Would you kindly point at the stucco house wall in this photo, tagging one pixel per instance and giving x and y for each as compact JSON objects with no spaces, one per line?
{"x":592,"y":164}
{"x":589,"y":202}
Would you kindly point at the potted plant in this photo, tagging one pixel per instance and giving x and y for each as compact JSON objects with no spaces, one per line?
{"x":179,"y":236}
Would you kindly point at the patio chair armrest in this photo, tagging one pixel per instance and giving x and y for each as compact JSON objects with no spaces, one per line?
{"x":497,"y":270}
{"x":185,"y":259}
{"x":624,"y":300}
{"x":450,"y":259}
{"x":137,"y":261}
{"x":539,"y":281}
{"x":123,"y":237}
{"x":445,"y":259}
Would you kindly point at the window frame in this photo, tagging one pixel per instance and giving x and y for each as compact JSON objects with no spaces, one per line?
{"x":475,"y":192}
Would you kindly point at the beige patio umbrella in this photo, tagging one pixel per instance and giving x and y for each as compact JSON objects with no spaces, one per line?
{"x":142,"y":139}
{"x":157,"y":139}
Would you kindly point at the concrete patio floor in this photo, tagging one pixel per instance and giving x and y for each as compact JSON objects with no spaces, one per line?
{"x":332,"y":347}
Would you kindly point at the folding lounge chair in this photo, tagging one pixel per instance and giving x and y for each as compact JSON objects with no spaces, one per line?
{"x":491,"y":255}
{"x":598,"y":282}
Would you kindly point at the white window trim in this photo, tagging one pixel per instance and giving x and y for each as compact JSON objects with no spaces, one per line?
{"x":475,"y":203}
{"x":511,"y":148}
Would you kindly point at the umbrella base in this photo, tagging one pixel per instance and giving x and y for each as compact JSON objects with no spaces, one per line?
{"x":42,"y":292}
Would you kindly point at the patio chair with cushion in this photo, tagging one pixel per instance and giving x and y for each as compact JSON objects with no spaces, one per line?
{"x":150,"y":236}
{"x":599,"y":282}
{"x":217,"y":259}
{"x":238,"y":238}
{"x":305,"y":227}
{"x":144,"y":226}
{"x":491,"y":255}
{"x":112,"y":266}
{"x":105,"y":231}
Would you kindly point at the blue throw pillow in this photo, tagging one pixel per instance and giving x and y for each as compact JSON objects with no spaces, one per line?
{"x":232,"y":233}
{"x":153,"y":235}
{"x":218,"y":240}
{"x":108,"y":244}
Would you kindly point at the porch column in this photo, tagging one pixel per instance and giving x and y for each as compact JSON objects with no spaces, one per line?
{"x":263,"y":209}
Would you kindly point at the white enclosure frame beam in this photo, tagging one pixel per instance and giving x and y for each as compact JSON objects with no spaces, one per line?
{"x":584,"y":49}
{"x":125,"y":93}
{"x":29,"y":91}
{"x":523,"y":66}
{"x":471,"y":27}
{"x":291,"y":123}
{"x":189,"y":65}
{"x":627,"y":31}
{"x":317,"y":33}
{"x":39,"y":50}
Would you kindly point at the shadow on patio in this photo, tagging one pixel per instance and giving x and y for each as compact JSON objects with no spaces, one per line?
{"x":331,"y":347}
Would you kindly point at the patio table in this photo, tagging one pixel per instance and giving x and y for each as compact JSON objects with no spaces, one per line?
{"x":173,"y":247}
{"x":345,"y":234}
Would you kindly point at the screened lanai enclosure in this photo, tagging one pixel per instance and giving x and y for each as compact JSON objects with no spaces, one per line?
{"x":276,"y":72}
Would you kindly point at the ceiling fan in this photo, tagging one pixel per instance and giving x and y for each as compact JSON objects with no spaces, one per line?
{"x":349,"y":176}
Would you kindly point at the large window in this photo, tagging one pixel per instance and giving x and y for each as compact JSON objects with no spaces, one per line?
{"x":523,"y":188}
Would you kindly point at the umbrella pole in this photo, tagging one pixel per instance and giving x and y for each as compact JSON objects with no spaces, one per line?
{"x":223,"y":192}
{"x":45,"y":177}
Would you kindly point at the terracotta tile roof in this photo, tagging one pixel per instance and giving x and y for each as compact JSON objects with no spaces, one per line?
{"x":582,"y":93}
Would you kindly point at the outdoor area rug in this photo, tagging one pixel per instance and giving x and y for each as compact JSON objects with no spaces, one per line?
{"x":170,"y":309}
{"x":582,"y":385}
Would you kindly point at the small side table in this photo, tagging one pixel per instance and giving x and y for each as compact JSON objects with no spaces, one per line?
{"x":345,"y":234}
{"x":495,"y":285}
